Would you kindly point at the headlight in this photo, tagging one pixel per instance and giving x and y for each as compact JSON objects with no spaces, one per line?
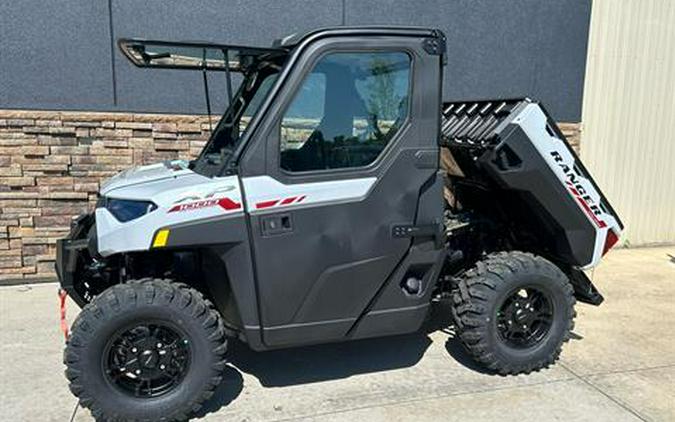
{"x":125,"y":209}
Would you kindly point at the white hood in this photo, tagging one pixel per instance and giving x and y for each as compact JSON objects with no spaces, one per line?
{"x":144,"y":174}
{"x":180,"y":195}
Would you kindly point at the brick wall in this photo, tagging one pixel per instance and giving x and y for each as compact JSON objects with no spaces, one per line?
{"x":51,"y":165}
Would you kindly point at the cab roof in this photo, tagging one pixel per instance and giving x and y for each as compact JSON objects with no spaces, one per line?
{"x":194,"y":55}
{"x":294,"y":39}
{"x":203,"y":55}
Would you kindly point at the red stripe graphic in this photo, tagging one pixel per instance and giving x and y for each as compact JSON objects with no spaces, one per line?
{"x":288,"y":200}
{"x":601,"y":224}
{"x":278,"y":202}
{"x":226,"y":203}
{"x":266,"y":204}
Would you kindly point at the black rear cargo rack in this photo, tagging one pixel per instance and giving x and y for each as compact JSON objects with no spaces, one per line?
{"x":514,"y":147}
{"x":476,"y":123}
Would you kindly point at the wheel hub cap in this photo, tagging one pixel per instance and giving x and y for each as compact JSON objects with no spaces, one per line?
{"x":147,"y":360}
{"x":524,"y":318}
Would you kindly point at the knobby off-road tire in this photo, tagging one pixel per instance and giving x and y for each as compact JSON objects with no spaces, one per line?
{"x":479,"y":300}
{"x":164,"y":304}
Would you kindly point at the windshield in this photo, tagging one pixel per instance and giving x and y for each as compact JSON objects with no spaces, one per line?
{"x":258,"y":68}
{"x":230,"y":130}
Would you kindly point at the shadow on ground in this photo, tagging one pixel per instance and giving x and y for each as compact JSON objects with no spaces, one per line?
{"x":441,"y":320}
{"x":303,"y":365}
{"x":330,"y":361}
{"x":228,"y":390}
{"x":314,"y":363}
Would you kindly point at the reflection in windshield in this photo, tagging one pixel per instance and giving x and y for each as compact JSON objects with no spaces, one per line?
{"x":231,"y":128}
{"x":256,"y":101}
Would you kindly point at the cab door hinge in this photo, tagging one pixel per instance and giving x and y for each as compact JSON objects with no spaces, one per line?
{"x":435,"y":45}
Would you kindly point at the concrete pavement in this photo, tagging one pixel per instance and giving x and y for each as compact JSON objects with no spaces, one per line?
{"x":620,"y":366}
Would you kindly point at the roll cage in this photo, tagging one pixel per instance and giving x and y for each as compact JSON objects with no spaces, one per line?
{"x":255,"y":64}
{"x":202,"y":56}
{"x":195,"y":55}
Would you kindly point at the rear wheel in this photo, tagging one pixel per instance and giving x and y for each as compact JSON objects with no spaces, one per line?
{"x":513,"y":312}
{"x":146,"y":350}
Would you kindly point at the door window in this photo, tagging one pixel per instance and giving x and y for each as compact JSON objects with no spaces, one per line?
{"x":346,"y":111}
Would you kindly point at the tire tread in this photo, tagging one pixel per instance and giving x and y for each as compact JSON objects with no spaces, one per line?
{"x":126,"y":296}
{"x":472,"y":297}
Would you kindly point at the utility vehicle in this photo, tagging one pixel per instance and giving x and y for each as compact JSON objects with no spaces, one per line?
{"x":338,"y":198}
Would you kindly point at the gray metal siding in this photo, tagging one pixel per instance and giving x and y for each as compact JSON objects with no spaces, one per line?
{"x":497,"y":48}
{"x":56,"y":55}
{"x":236,"y":22}
{"x":629,"y":114}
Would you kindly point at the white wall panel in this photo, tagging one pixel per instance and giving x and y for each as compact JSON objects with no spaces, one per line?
{"x":628,"y":136}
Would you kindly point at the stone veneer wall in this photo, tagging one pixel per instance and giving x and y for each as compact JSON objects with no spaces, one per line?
{"x":51,"y":165}
{"x":52,"y":162}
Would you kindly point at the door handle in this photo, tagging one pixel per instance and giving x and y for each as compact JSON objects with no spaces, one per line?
{"x":276,"y":224}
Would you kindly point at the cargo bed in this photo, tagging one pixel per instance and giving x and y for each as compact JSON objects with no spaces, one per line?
{"x":514,"y":149}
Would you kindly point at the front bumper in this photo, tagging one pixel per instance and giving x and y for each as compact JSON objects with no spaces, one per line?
{"x":71,"y":255}
{"x":68,"y":253}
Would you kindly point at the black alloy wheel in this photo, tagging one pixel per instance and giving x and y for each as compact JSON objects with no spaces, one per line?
{"x":525,"y":317}
{"x":513,"y":311}
{"x":146,"y":350}
{"x":147,"y":360}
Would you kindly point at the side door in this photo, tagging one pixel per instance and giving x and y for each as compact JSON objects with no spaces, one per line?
{"x":349,"y":145}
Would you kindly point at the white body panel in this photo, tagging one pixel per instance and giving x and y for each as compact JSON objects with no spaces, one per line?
{"x":264,"y":193}
{"x":533,"y":122}
{"x":180,"y":195}
{"x":184,"y":196}
{"x":141,"y":174}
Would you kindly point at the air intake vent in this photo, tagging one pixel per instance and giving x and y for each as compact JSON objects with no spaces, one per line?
{"x":473,"y":124}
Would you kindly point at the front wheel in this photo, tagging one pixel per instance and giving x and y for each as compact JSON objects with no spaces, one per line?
{"x":513,"y":312}
{"x":146,"y":350}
